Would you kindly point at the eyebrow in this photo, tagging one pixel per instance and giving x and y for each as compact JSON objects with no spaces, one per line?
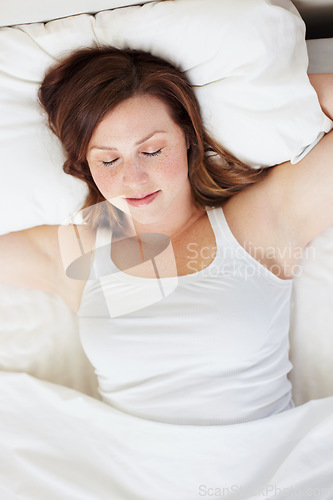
{"x":108,"y":148}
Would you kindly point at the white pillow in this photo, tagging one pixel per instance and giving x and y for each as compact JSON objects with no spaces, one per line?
{"x":33,"y":11}
{"x":247,"y":60}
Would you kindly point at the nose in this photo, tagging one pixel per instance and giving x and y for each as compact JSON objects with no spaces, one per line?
{"x":134,"y":175}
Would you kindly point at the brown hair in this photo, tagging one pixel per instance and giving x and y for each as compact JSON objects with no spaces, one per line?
{"x":81,"y":89}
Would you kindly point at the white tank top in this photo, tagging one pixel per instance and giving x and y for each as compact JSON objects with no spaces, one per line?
{"x":206,"y":348}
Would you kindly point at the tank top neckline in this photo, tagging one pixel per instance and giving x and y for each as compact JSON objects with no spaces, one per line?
{"x":102,"y":239}
{"x":221,"y":232}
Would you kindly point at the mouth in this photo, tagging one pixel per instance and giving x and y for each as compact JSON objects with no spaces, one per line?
{"x":142,"y":200}
{"x":140,"y":196}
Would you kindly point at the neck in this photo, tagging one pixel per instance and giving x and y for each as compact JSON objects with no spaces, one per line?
{"x":174,"y":223}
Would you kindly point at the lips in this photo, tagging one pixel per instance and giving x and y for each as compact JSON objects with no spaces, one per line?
{"x":142,"y":199}
{"x":140,"y":196}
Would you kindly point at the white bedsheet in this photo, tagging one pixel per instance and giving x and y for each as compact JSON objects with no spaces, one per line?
{"x":59,"y":444}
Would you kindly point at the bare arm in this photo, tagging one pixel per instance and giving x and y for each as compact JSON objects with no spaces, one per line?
{"x":305,"y":202}
{"x":37,"y":258}
{"x":323,"y":85}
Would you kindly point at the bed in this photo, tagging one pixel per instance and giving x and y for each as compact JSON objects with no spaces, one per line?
{"x":58,"y":439}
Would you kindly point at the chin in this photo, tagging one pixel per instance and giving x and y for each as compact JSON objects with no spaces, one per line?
{"x":146,"y":218}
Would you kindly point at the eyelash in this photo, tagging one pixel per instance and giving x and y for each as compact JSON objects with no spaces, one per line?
{"x":109,"y":163}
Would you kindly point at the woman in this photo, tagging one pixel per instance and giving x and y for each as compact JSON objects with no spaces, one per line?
{"x":131,"y":128}
{"x":275,"y":212}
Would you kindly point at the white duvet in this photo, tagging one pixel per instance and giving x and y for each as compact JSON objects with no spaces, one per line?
{"x":58,"y":444}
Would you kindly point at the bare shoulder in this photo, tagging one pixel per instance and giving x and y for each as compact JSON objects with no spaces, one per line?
{"x":25,"y":257}
{"x":46,"y":238}
{"x":259,"y":220}
{"x":38,"y":258}
{"x":257,"y":211}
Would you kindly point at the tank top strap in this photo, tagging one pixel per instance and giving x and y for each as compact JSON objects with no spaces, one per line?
{"x":223,"y":233}
{"x":233,"y":252}
{"x":218,"y":223}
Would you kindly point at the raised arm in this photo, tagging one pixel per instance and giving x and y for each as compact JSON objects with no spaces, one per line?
{"x":304,"y":191}
{"x":323,"y":85}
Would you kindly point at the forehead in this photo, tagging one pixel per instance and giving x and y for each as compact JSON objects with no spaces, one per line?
{"x":134,"y":119}
{"x":138,"y":111}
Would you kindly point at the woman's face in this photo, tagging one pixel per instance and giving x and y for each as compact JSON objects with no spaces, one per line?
{"x":138,"y":159}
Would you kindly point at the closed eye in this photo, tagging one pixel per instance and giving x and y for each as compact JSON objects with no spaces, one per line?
{"x":109,"y":163}
{"x":112,"y":162}
{"x":155,"y":153}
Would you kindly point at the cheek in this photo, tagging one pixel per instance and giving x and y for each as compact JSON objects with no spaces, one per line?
{"x":105,"y":181}
{"x":108,"y":185}
{"x":174,"y":169}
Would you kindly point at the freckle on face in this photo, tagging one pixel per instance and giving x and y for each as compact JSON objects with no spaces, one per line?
{"x":129,"y":122}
